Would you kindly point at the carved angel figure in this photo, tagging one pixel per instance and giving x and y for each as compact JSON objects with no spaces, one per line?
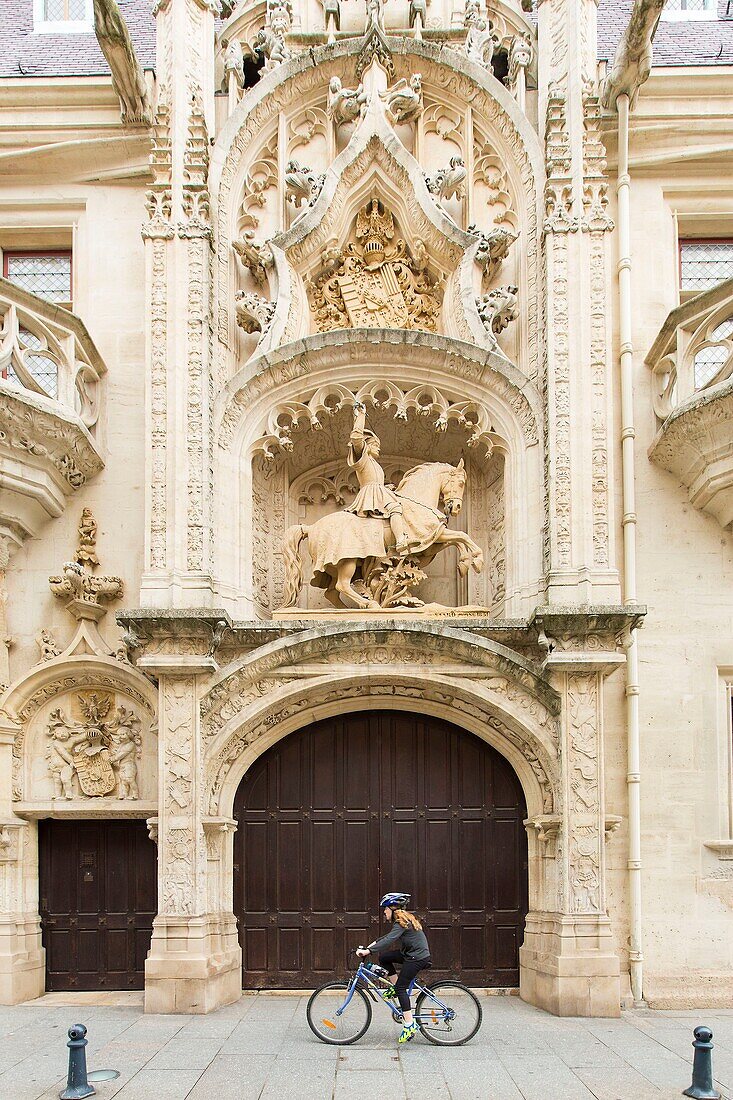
{"x":498,"y":308}
{"x":345,"y":104}
{"x":404,"y":100}
{"x":125,"y":742}
{"x":127,"y":76}
{"x":450,"y":182}
{"x":479,"y":45}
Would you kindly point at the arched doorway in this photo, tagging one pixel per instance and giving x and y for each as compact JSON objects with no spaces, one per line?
{"x":342,"y":810}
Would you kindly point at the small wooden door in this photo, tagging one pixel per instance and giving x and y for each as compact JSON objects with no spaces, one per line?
{"x":342,"y":811}
{"x":98,"y":885}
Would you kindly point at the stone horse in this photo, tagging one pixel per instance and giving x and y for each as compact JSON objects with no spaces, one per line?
{"x":342,"y":542}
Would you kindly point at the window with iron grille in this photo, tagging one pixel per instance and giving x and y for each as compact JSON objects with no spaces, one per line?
{"x":704,"y":264}
{"x":690,"y":9}
{"x":63,"y":11}
{"x":62,"y":16}
{"x":47,"y":274}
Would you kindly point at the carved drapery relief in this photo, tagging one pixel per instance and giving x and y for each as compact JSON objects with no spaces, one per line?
{"x":94,"y":753}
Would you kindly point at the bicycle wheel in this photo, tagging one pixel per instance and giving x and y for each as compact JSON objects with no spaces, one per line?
{"x":327,"y":1025}
{"x":452,"y":1028}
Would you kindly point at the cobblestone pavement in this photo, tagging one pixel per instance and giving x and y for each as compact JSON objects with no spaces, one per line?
{"x":262,"y":1049}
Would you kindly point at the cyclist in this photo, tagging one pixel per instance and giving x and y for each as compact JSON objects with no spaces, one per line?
{"x":406,"y":944}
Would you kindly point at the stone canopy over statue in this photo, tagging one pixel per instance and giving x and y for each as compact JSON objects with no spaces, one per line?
{"x":372,"y":554}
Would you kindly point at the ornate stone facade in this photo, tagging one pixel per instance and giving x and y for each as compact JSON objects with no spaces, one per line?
{"x":364,"y":333}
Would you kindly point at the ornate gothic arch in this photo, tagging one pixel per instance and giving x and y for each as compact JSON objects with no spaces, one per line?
{"x":458,"y":81}
{"x":481,"y":685}
{"x":473,"y":400}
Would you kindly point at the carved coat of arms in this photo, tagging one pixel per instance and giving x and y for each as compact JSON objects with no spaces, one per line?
{"x":98,"y":753}
{"x":371,"y":284}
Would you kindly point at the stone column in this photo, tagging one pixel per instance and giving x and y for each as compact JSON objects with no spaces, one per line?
{"x":195,"y":962}
{"x":579,"y":552}
{"x":22,"y":958}
{"x":178,"y":235}
{"x":568,"y":962}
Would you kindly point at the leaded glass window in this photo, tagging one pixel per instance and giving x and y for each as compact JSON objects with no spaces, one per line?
{"x":65,"y":11}
{"x":47,"y":274}
{"x":694,"y":7}
{"x":704,"y":264}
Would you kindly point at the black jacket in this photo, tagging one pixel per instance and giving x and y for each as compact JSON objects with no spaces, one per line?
{"x":412,"y":944}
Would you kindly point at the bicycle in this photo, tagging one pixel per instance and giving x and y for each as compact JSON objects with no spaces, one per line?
{"x":447,"y":1013}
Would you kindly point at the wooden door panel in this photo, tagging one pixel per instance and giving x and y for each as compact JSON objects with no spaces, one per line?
{"x":339,"y":812}
{"x":98,"y":885}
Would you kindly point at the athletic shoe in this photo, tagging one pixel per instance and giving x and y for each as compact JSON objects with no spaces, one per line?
{"x":388,"y":992}
{"x":408,"y":1032}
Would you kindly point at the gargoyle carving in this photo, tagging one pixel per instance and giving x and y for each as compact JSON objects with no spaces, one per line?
{"x":449,"y":182}
{"x":633,"y":61}
{"x":404,"y":99}
{"x":255,"y":257}
{"x":254,"y":313}
{"x":302,"y":185}
{"x":498,"y":309}
{"x":128,"y":80}
{"x":345,"y":104}
{"x":494,"y":247}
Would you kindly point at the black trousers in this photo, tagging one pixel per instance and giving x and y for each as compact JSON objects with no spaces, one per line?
{"x":409,"y":969}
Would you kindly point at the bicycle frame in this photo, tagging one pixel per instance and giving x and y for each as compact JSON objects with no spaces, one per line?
{"x":366,"y":976}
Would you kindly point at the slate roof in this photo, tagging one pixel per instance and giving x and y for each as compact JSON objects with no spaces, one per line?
{"x":23,"y":53}
{"x":677,"y":42}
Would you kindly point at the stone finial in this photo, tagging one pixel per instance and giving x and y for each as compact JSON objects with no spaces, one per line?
{"x":85,"y":592}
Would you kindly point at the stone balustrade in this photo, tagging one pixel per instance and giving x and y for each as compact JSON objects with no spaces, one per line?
{"x":692,"y":395}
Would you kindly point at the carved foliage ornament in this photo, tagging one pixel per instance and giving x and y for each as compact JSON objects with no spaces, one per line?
{"x":371,"y":284}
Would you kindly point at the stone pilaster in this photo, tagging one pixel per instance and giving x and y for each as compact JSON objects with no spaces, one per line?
{"x":178,"y":565}
{"x":22,"y":958}
{"x":569,"y":965}
{"x":579,"y":556}
{"x":195,"y":962}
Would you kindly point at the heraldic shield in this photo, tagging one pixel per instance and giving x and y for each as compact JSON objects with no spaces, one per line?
{"x":94,"y":766}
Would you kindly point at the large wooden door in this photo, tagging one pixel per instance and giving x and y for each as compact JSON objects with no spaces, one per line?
{"x":342,"y":811}
{"x":98,"y":885}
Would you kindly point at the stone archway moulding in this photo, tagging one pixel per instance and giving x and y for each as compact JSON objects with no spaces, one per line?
{"x":480,"y":685}
{"x":278,"y":378}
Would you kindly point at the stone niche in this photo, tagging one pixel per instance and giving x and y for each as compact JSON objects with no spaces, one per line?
{"x":312,"y":479}
{"x":87,"y":745}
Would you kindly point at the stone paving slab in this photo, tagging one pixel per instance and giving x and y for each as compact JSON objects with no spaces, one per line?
{"x":262,"y":1049}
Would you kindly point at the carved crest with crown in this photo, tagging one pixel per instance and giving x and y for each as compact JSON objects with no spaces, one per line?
{"x":370,"y":284}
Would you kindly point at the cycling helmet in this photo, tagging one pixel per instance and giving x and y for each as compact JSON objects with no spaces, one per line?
{"x":395,"y":900}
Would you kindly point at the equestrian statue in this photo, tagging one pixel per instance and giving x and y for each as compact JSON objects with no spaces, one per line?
{"x":372,"y":553}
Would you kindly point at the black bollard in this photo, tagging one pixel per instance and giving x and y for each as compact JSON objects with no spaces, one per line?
{"x":77,"y":1085}
{"x":702,"y":1067}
